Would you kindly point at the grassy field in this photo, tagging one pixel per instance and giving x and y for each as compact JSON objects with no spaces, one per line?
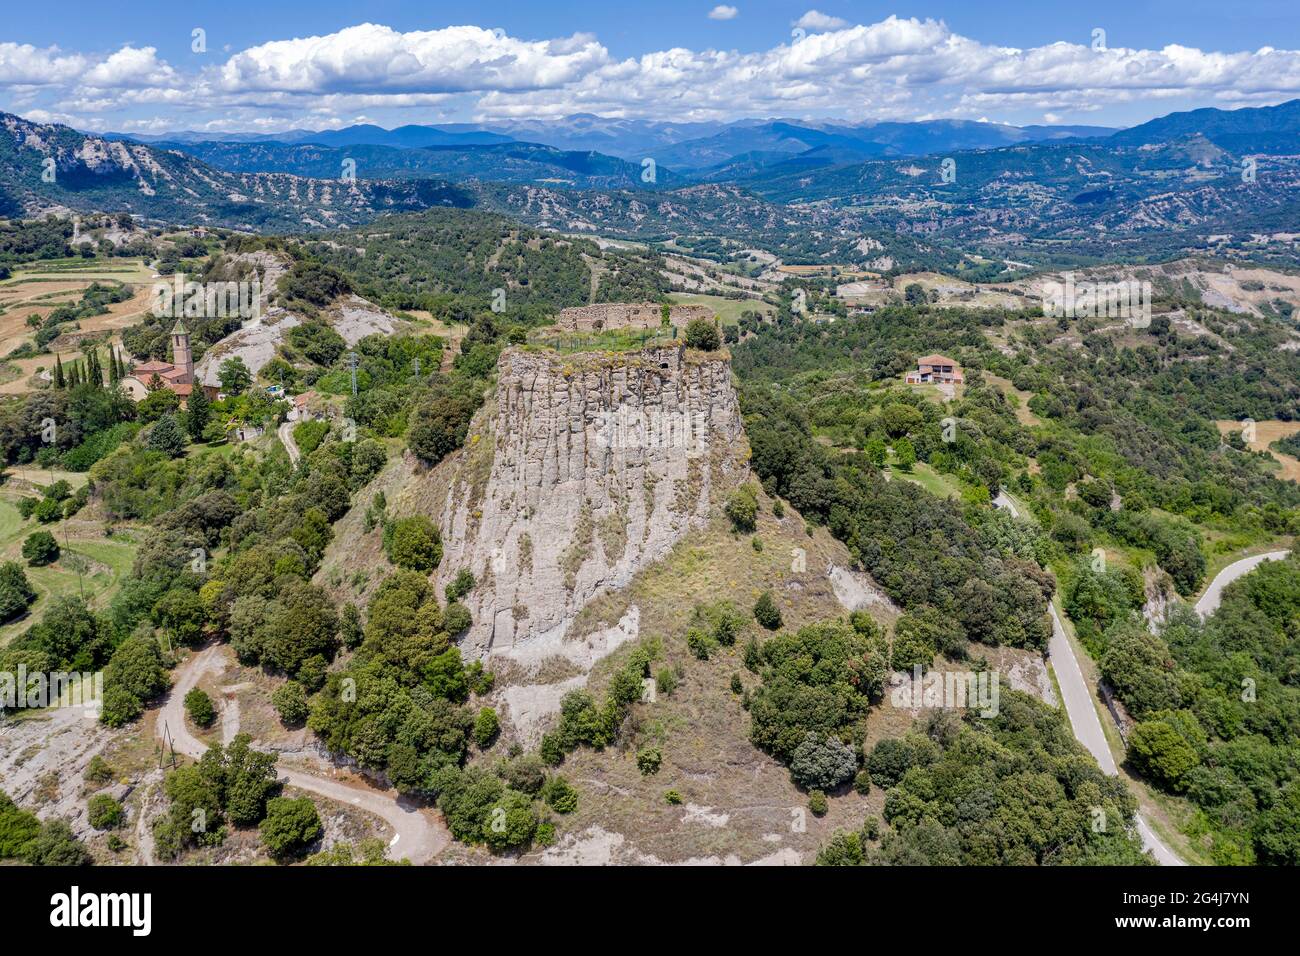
{"x":40,"y":288}
{"x":1266,"y":433}
{"x":90,"y":564}
{"x":727,"y":310}
{"x":943,"y":486}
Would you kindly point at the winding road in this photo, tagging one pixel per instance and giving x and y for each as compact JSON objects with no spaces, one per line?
{"x":1213,"y":596}
{"x":1078,"y":699}
{"x":418,"y":836}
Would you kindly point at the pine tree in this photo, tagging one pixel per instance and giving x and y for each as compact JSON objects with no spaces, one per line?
{"x":94,"y":372}
{"x":198,"y":412}
{"x":60,"y":380}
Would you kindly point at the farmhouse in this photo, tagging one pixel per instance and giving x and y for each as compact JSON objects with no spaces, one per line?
{"x":936,"y":368}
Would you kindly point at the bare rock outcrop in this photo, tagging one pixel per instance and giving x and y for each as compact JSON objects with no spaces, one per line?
{"x":598,"y":464}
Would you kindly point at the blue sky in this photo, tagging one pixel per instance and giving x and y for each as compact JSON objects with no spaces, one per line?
{"x":131,"y":66}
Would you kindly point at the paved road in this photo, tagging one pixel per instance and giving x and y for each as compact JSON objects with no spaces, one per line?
{"x":418,"y":837}
{"x":285,"y":433}
{"x":1213,"y":596}
{"x":1077,"y":698}
{"x":1087,"y":727}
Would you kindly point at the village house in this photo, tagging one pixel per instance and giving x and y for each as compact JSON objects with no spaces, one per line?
{"x":936,"y":369}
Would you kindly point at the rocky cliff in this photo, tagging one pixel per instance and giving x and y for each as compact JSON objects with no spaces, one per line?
{"x":584,"y":469}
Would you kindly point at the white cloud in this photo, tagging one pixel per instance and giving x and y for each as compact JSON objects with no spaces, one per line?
{"x":374,"y":58}
{"x":22,"y":64}
{"x":723,"y":12}
{"x":895,"y":68}
{"x":130,"y":67}
{"x":816,"y":20}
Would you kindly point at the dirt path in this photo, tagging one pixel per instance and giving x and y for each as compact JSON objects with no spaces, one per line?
{"x":285,"y":434}
{"x":419,"y":835}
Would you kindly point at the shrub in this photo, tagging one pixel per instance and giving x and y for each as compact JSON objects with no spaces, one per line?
{"x":862,"y":782}
{"x":742,"y":509}
{"x":551,"y":749}
{"x":672,"y":798}
{"x":413,"y":543}
{"x":817,"y":803}
{"x":98,"y":771}
{"x":103,"y":812}
{"x":40,"y":549}
{"x":698,"y":642}
{"x":486,"y":728}
{"x":290,"y":701}
{"x":737,"y":685}
{"x":665,"y":681}
{"x":525,"y":773}
{"x":461,"y":585}
{"x":560,"y":795}
{"x":199,"y":706}
{"x":456,"y":618}
{"x":766,"y":612}
{"x":844,"y":849}
{"x":290,"y":826}
{"x":822,"y":762}
{"x":56,"y":845}
{"x":648,"y":760}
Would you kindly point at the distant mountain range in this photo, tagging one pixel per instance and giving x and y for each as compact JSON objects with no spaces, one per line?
{"x":857,"y":194}
{"x":508,"y":162}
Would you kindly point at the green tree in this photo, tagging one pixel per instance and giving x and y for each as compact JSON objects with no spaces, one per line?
{"x":199,"y":706}
{"x":198,"y":412}
{"x":290,"y":702}
{"x":1159,"y":751}
{"x":234,"y":376}
{"x":486,"y":727}
{"x":822,"y":762}
{"x":16,"y":592}
{"x":904,"y":454}
{"x":702,"y":334}
{"x":290,"y":826}
{"x":414,"y":543}
{"x":40,"y":548}
{"x":167,"y":437}
{"x":766,"y":612}
{"x":104,"y":813}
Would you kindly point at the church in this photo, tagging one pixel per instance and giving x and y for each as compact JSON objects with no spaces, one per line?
{"x":177,"y":375}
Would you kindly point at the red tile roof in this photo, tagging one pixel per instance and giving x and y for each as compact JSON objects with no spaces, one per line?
{"x":935,"y":360}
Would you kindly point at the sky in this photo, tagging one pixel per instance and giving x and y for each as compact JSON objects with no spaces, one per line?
{"x":154,"y":67}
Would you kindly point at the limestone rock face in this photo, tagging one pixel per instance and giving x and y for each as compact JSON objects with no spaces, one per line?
{"x":598,"y":463}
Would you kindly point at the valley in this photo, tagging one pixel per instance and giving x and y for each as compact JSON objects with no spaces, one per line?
{"x":767,"y":510}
